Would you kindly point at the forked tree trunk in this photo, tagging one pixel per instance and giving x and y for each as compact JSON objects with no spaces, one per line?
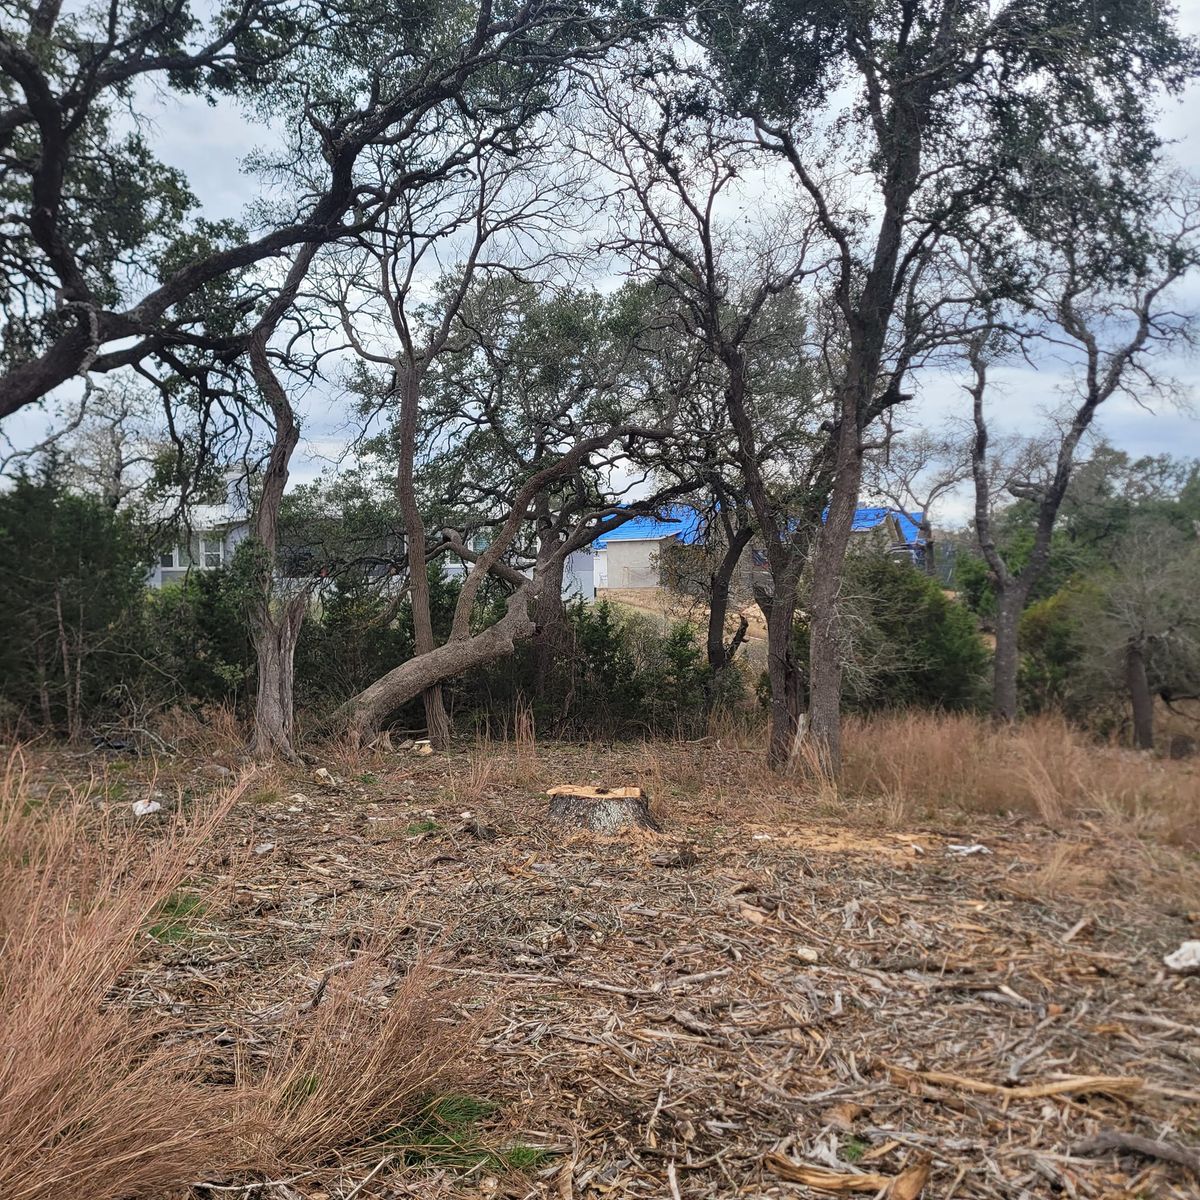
{"x":720,"y":653}
{"x":1139,"y":696}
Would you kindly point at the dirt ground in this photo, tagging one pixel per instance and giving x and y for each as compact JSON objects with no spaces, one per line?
{"x":779,"y":995}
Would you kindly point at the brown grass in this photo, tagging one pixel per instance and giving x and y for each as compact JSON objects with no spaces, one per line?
{"x":101,"y":1102}
{"x":93,"y":1103}
{"x":359,"y":1059}
{"x":921,"y":763}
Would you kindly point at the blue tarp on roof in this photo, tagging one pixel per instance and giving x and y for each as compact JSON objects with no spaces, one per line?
{"x":682,"y":522}
{"x":688,"y":525}
{"x":871,"y":518}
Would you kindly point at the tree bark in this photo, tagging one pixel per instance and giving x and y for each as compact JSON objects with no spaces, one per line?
{"x":365,"y":713}
{"x":720,"y":652}
{"x":1140,"y":697}
{"x":275,"y":635}
{"x":437,"y":723}
{"x":829,"y":563}
{"x":782,"y":674}
{"x":275,"y":621}
{"x":1010,"y":604}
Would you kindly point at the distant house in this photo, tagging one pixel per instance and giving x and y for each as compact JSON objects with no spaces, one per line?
{"x":216,"y":531}
{"x":629,"y":558}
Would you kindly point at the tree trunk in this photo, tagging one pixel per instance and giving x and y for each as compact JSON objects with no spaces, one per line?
{"x":1139,"y":695}
{"x":1010,"y":603}
{"x":553,"y":637}
{"x":829,"y":564}
{"x":437,"y":723}
{"x":720,"y":653}
{"x":782,"y":674}
{"x":365,"y":713}
{"x":275,"y":636}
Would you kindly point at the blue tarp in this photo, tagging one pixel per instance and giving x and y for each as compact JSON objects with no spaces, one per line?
{"x":685,"y":523}
{"x":682,"y":522}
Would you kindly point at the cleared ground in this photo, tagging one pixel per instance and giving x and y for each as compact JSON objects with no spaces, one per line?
{"x":778,"y":983}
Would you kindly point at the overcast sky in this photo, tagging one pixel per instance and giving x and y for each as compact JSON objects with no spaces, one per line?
{"x":209,"y":145}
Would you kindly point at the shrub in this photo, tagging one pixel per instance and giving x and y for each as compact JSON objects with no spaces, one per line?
{"x":906,"y":642}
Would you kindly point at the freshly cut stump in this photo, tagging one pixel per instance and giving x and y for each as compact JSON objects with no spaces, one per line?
{"x":608,"y":811}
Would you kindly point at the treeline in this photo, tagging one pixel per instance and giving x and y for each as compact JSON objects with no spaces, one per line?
{"x":549,"y":263}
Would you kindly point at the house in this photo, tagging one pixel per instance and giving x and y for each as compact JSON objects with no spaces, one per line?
{"x":629,"y":557}
{"x":216,"y":531}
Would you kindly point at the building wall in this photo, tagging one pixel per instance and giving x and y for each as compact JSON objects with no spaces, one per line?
{"x":633,"y":564}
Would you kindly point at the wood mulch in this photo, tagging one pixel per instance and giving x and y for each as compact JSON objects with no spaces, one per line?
{"x":774,"y":997}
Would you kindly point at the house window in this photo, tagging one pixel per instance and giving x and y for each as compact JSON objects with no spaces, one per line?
{"x":167,"y":561}
{"x":212,"y":551}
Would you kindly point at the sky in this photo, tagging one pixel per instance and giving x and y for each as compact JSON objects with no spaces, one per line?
{"x":210,"y":144}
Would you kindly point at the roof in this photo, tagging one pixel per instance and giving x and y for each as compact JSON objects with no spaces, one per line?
{"x":676,"y":521}
{"x":687,"y":524}
{"x":871,"y":518}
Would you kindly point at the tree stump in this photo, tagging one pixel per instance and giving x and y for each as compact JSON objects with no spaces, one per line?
{"x":607,"y":811}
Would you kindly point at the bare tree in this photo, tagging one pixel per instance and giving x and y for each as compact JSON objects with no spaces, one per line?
{"x":1108,"y":328}
{"x":913,"y":472}
{"x":735,"y":294}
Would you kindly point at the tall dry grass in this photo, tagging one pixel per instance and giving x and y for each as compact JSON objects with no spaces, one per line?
{"x":93,"y":1102}
{"x":354,"y":1063}
{"x":101,"y":1102}
{"x":1042,"y":767}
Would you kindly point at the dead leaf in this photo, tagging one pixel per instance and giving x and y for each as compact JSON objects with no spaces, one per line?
{"x":750,"y":913}
{"x":845,"y":1114}
{"x":910,"y":1183}
{"x":823,"y":1179}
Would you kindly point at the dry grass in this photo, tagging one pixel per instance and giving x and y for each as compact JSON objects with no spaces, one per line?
{"x":103,"y":1101}
{"x":919,"y":762}
{"x":355,"y":1064}
{"x":93,"y":1102}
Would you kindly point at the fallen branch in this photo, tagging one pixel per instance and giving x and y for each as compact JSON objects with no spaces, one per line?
{"x":1110,"y":1140}
{"x":1110,"y":1085}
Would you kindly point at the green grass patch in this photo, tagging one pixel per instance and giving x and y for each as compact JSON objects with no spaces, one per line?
{"x":853,"y":1149}
{"x":426,"y":826}
{"x":176,"y":917}
{"x":445,"y":1133}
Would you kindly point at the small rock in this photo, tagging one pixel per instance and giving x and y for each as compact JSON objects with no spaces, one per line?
{"x":143,"y":808}
{"x":1185,"y":960}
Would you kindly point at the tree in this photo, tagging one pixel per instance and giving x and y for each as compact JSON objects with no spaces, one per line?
{"x":912,"y":472}
{"x":1109,"y":318}
{"x":99,"y":267}
{"x":906,"y":125}
{"x":70,"y":594}
{"x":737,"y":298}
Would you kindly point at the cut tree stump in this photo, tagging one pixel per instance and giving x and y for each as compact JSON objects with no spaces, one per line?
{"x":602,"y":810}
